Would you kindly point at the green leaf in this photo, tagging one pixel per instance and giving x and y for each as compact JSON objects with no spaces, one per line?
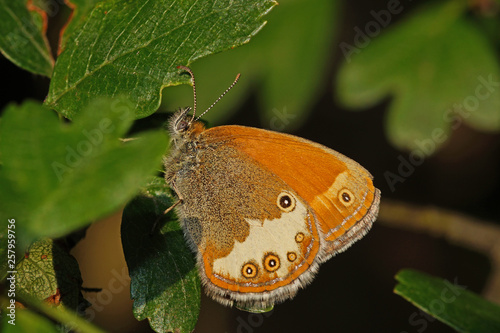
{"x":134,"y":48}
{"x":295,"y":65}
{"x":49,"y":273}
{"x":165,"y":285}
{"x":284,"y":64}
{"x":38,"y":10}
{"x":81,"y":10}
{"x":449,"y":302}
{"x":436,"y":82}
{"x":28,"y":321}
{"x":4,"y":252}
{"x":57,"y":178}
{"x":22,"y":39}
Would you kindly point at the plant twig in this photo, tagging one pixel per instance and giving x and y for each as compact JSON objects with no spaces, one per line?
{"x":472,"y":233}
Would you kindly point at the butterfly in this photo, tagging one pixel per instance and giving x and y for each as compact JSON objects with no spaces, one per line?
{"x":262,"y":210}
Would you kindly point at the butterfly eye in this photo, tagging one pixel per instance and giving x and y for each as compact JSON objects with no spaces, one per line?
{"x":181,"y":126}
{"x":346,"y":197}
{"x":271,"y":262}
{"x":249,"y":270}
{"x":286,"y":202}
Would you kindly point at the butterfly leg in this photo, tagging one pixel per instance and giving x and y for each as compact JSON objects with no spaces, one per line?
{"x":164,"y":213}
{"x":172,"y":207}
{"x":179,"y":200}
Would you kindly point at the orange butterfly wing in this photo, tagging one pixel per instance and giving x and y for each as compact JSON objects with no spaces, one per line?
{"x":339,"y":190}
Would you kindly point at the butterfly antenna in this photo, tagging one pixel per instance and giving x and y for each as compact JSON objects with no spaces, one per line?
{"x":220,"y":97}
{"x":187,"y":69}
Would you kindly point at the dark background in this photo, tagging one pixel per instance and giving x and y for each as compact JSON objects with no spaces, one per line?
{"x":353,"y":292}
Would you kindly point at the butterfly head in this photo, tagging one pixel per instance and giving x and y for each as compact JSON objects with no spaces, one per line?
{"x":183,"y":126}
{"x":183,"y":123}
